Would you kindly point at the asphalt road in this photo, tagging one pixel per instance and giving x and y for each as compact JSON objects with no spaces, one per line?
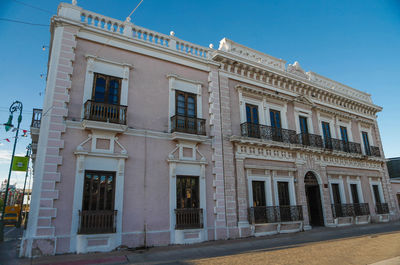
{"x":9,"y":248}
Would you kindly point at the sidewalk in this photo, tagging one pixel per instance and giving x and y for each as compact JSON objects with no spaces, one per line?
{"x":179,"y":254}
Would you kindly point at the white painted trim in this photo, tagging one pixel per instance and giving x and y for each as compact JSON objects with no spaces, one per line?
{"x":268,"y":105}
{"x":292,"y":192}
{"x":260,"y":108}
{"x":146,"y":49}
{"x":338,"y":181}
{"x":177,"y":168}
{"x":267,"y":187}
{"x":87,"y":162}
{"x":330,"y":121}
{"x":179,"y":83}
{"x":106,"y":67}
{"x":305,"y":113}
{"x":30,"y":232}
{"x":348,"y":127}
{"x":359,"y":189}
{"x":379,"y":184}
{"x":370,"y":140}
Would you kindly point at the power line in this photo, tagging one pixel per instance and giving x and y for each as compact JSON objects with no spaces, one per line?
{"x":23,"y":22}
{"x":34,"y":7}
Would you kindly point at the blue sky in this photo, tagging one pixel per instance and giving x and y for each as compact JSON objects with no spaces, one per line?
{"x":354,"y":42}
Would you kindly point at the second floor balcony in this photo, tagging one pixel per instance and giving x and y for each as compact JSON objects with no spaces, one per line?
{"x":104,"y":112}
{"x":265,"y":132}
{"x":268,"y":133}
{"x":185,"y":124}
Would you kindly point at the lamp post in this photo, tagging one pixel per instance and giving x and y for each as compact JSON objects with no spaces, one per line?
{"x":16,"y":106}
{"x":28,"y":154}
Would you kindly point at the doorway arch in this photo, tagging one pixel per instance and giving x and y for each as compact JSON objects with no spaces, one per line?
{"x":314,"y":202}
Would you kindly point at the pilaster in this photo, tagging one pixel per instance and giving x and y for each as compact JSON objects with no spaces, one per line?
{"x":220,"y":231}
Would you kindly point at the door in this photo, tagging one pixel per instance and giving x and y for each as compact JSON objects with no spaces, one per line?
{"x":258,"y":193}
{"x":98,"y":215}
{"x":377,"y":196}
{"x":253,"y":127}
{"x":337,"y":201}
{"x":314,"y":202}
{"x":259,"y":204}
{"x":276,"y":125}
{"x":304,"y":130}
{"x":186,"y":112}
{"x":345,"y":138}
{"x":366,"y":143}
{"x":326,"y":131}
{"x":187,"y":192}
{"x":354,"y":193}
{"x":284,"y":201}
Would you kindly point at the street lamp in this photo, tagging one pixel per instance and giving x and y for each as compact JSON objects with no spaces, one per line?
{"x":28,"y":154}
{"x":16,"y":106}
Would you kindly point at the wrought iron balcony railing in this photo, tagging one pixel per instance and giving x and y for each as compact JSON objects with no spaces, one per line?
{"x":309,"y":139}
{"x":186,"y":124}
{"x":350,"y":209}
{"x":268,"y":133}
{"x":275,"y":214}
{"x":189,"y":218}
{"x":97,"y":222}
{"x":99,"y":111}
{"x":374,"y":151}
{"x":381,"y":208}
{"x":36,"y":118}
{"x":340,"y":145}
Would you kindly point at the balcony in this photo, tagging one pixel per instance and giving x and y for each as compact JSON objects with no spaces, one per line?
{"x":97,"y":222}
{"x":186,"y":124}
{"x":306,"y":139}
{"x":349,"y":210}
{"x":381,"y":208}
{"x":98,"y":111}
{"x":275,"y":214}
{"x":189,"y":218}
{"x":36,"y":118}
{"x":268,"y":133}
{"x":340,"y":145}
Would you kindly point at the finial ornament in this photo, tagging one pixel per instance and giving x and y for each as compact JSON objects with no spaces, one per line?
{"x":211,"y":46}
{"x":74,"y":2}
{"x":172,"y":33}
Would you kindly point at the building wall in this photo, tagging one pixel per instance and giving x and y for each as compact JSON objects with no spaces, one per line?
{"x":147,"y":157}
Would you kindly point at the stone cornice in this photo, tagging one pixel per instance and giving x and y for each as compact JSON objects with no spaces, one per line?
{"x":291,"y":82}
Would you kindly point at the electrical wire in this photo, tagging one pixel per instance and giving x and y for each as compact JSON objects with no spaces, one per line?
{"x":24,"y":22}
{"x":109,"y":39}
{"x":34,"y":7}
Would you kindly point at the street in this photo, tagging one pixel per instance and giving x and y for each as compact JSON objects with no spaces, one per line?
{"x":8,"y":248}
{"x":366,"y":244}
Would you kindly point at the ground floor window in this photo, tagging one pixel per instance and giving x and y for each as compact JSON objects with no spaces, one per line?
{"x":188,"y":212}
{"x":258,"y":193}
{"x":98,"y":214}
{"x":98,"y":191}
{"x":354,"y":193}
{"x":187,"y":192}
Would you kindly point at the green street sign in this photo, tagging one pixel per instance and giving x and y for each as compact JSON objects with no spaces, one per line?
{"x":20,"y":163}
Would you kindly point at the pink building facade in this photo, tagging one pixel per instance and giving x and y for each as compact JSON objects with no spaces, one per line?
{"x":147,"y":140}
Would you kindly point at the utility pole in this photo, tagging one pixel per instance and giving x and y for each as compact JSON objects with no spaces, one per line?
{"x":17,"y":105}
{"x":28,"y":154}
